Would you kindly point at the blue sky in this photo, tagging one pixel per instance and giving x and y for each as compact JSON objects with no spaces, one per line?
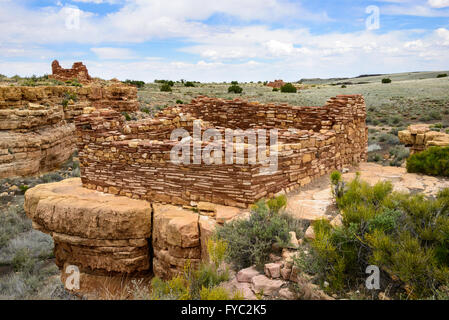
{"x":212,"y":40}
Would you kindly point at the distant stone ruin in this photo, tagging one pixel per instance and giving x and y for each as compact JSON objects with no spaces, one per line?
{"x":36,"y":123}
{"x":419,"y":137}
{"x":78,"y":72}
{"x":133,"y":158}
{"x":276,"y":84}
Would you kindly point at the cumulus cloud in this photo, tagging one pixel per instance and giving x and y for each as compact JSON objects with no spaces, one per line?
{"x":252,"y":49}
{"x":108,"y":53}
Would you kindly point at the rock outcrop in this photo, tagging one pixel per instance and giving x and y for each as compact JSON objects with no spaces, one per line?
{"x":78,"y":72}
{"x":101,"y":234}
{"x":419,"y":137}
{"x":36,"y":123}
{"x":109,"y":237}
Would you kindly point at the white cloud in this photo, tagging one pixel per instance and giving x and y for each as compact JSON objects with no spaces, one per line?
{"x":443,"y":35}
{"x":278,"y":48}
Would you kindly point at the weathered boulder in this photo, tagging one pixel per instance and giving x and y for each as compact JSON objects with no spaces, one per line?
{"x":246,"y":275}
{"x":99,"y":233}
{"x":262,"y":284}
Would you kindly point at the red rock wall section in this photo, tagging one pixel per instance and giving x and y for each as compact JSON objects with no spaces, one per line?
{"x":276,"y":84}
{"x":134,"y":159}
{"x":78,"y":71}
{"x":36,"y":123}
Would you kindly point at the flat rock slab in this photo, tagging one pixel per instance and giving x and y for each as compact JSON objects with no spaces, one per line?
{"x":310,"y":210}
{"x":262,"y":284}
{"x":67,"y":208}
{"x":246,"y":275}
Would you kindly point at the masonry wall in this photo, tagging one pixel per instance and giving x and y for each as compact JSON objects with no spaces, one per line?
{"x":133,"y":159}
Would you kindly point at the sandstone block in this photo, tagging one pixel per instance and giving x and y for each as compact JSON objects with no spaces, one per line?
{"x":246,"y":275}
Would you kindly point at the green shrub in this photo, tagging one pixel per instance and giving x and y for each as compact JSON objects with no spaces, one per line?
{"x":288,"y":88}
{"x":68,"y":96}
{"x":406,"y":236}
{"x":275,"y":89}
{"x":434,"y":162}
{"x":145,"y":110}
{"x":166,"y":88}
{"x":386,"y":80}
{"x":23,"y":261}
{"x":200,"y":283}
{"x":251,"y":240}
{"x":13,"y":221}
{"x":235,"y":88}
{"x":126,"y":115}
{"x":442,"y":75}
{"x":389,"y":138}
{"x":189,"y":84}
{"x":137,"y":83}
{"x":179,"y":102}
{"x":435,"y":115}
{"x":399,"y":154}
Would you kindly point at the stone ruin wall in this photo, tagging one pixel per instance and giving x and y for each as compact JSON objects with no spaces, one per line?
{"x":78,"y":71}
{"x":133,"y":159}
{"x":36,"y":123}
{"x":276,"y":84}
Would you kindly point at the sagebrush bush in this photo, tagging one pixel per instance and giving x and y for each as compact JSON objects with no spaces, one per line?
{"x":201,"y":283}
{"x":288,"y":88}
{"x":166,"y":87}
{"x":386,"y":80}
{"x":434,"y":161}
{"x":137,"y":83}
{"x":13,"y":221}
{"x":250,"y":241}
{"x":406,"y":236}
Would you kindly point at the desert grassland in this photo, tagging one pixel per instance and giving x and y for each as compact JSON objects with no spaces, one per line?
{"x":27,"y":268}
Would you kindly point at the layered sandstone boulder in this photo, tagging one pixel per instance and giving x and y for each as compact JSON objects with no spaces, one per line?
{"x":40,"y":150}
{"x":419,"y":137}
{"x":176,"y":239}
{"x":110,"y":237}
{"x":101,"y":234}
